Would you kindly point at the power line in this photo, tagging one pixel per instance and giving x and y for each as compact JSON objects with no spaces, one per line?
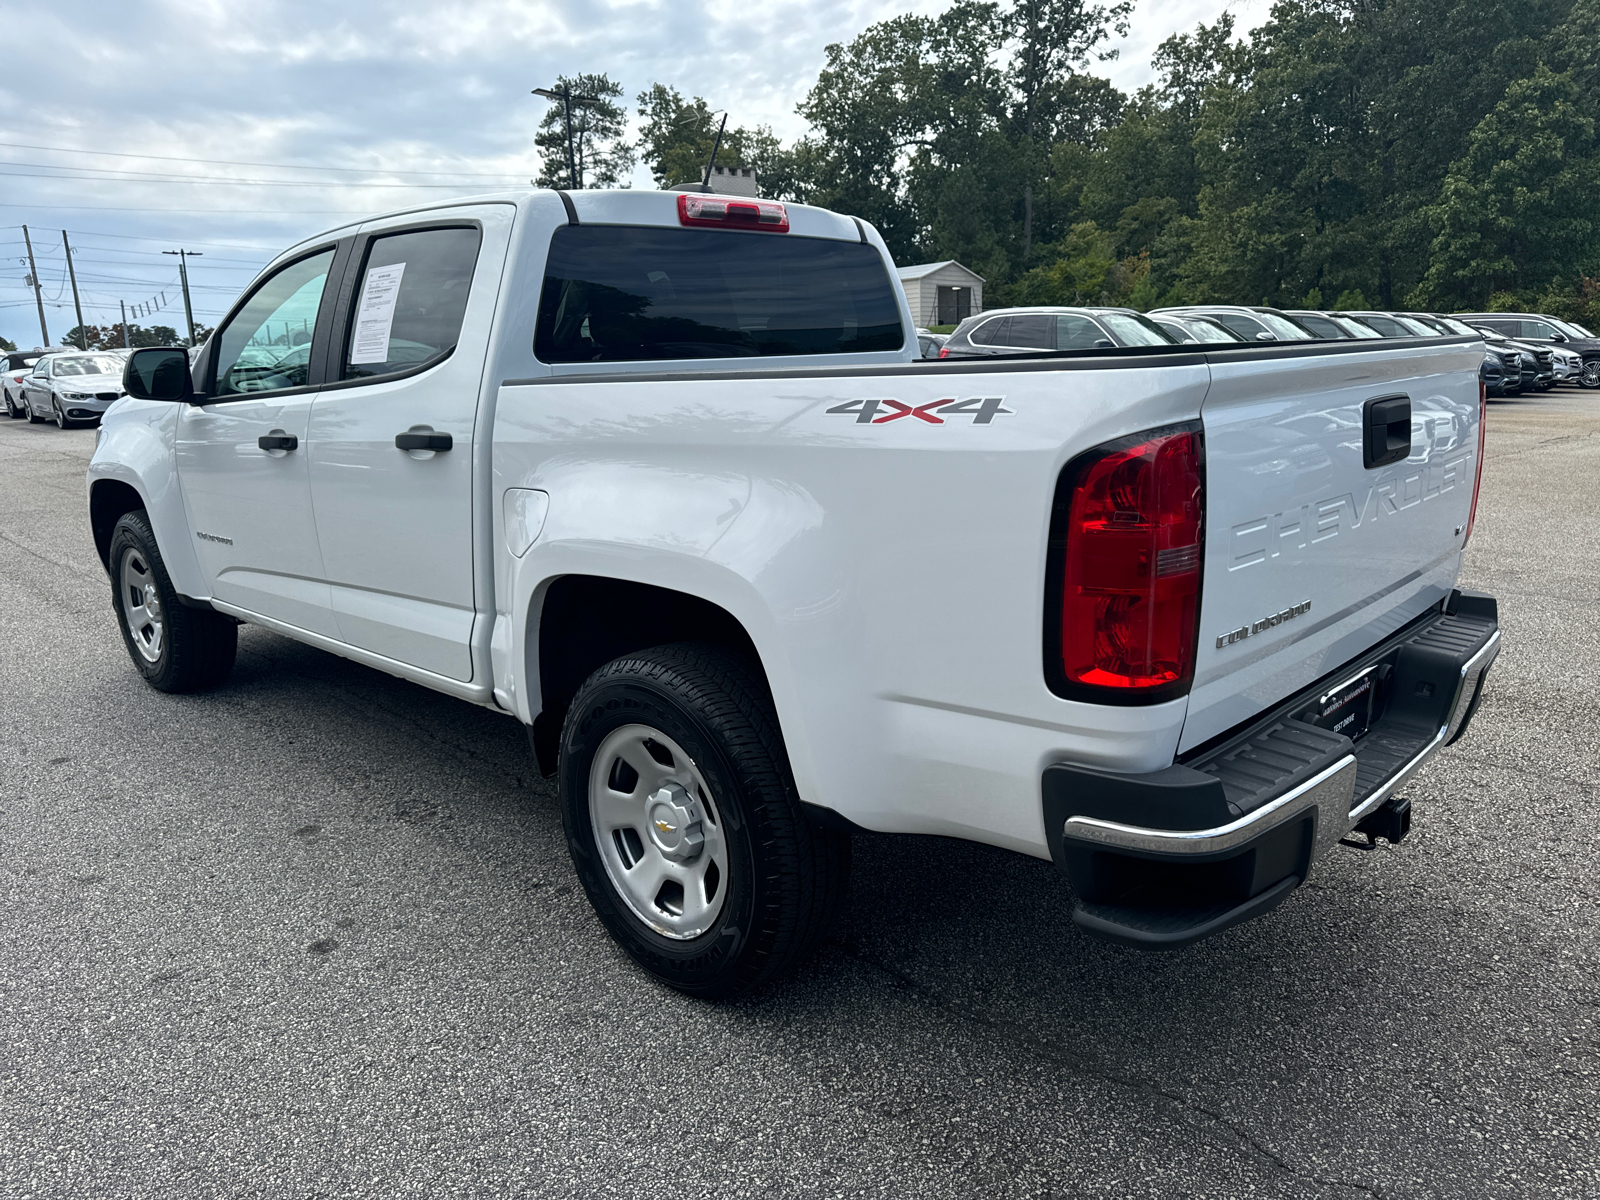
{"x":219,"y":162}
{"x":127,"y":177}
{"x":242,"y":212}
{"x":139,"y":237}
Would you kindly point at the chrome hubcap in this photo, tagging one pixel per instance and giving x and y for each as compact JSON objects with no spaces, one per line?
{"x":658,"y":831}
{"x":141,"y":604}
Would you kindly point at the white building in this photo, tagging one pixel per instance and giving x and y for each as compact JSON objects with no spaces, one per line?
{"x":941,"y":293}
{"x":734,"y":181}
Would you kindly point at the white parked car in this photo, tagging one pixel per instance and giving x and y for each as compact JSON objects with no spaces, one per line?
{"x":15,"y":366}
{"x":663,"y":477}
{"x":72,"y":389}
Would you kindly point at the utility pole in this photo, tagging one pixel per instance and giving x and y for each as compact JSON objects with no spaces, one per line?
{"x":183,"y":276}
{"x":72,"y":274}
{"x":127,"y":342}
{"x":38,"y":292}
{"x":564,"y":94}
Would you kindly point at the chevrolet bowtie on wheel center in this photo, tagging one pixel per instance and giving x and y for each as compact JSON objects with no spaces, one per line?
{"x":663,"y":477}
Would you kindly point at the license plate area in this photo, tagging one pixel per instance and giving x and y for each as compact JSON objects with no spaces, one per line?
{"x":1351,"y":707}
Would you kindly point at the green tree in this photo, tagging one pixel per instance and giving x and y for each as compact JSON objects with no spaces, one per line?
{"x":676,"y":138}
{"x":7,"y":344}
{"x":1521,"y":206}
{"x":601,"y":155}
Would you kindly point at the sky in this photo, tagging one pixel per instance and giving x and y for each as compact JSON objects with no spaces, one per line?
{"x":234,"y":129}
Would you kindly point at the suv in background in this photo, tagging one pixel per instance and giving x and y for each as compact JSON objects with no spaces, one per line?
{"x":1253,"y":324}
{"x":1196,"y":329}
{"x":1542,"y":330}
{"x":1332,"y":325}
{"x":1018,"y":330}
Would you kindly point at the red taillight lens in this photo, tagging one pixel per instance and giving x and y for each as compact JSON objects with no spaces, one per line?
{"x":1131,"y":577}
{"x":729,"y":212}
{"x":1477,"y":480}
{"x":944,"y":351}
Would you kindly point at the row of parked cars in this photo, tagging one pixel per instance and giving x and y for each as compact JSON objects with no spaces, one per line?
{"x":1523,"y":351}
{"x":69,"y":387}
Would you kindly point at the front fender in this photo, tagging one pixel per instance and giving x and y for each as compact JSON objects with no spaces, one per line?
{"x":136,"y":447}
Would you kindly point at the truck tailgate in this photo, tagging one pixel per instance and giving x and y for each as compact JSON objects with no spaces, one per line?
{"x":1312,"y":555}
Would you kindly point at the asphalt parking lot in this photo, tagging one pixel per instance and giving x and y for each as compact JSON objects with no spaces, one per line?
{"x":316,"y":934}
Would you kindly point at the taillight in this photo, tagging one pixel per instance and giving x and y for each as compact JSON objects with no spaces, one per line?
{"x":1130,"y":561}
{"x":1477,"y":481}
{"x":730,"y":213}
{"x":944,"y":351}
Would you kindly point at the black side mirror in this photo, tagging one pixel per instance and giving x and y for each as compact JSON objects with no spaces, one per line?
{"x":1558,"y":337}
{"x":158,"y":374}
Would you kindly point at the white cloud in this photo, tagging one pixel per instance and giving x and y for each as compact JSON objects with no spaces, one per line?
{"x":411,"y":85}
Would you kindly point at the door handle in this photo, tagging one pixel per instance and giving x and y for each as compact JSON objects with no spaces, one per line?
{"x":1386,"y":431}
{"x":278,"y":441}
{"x":416,"y":439}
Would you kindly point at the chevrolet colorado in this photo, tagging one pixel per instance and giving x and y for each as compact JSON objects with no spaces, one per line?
{"x":662,"y":476}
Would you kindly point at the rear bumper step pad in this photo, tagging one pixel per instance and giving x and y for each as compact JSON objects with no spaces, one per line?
{"x":1164,"y":859}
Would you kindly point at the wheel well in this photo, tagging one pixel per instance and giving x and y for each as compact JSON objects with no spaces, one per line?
{"x":588,"y":620}
{"x":108,"y":501}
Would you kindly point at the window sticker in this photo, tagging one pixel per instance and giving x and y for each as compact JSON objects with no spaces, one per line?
{"x":375,"y":317}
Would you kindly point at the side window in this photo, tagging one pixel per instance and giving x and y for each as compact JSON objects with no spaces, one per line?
{"x":1538,"y":329}
{"x":990,"y":333}
{"x":1243,"y":326}
{"x":1504,"y":328}
{"x":411,"y":300}
{"x":266,"y":347}
{"x":1077,"y":333}
{"x":1032,"y":331}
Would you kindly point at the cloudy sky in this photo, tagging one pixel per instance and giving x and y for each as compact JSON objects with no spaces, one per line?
{"x":234,"y":127}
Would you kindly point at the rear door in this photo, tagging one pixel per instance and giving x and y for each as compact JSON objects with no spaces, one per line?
{"x":395,"y":525}
{"x":1313,"y":555}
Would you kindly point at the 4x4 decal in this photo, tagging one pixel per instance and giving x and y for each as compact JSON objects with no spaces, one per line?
{"x":982,"y":409}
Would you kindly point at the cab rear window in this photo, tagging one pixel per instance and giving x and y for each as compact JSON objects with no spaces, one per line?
{"x":617,"y":293}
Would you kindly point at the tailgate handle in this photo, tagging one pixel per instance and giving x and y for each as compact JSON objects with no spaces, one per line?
{"x":1386,"y":426}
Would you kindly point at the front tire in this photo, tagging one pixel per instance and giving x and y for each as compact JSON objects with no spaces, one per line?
{"x":1589,"y":375}
{"x":61,"y":417}
{"x":176,"y":648}
{"x":684,"y":826}
{"x":33,"y":417}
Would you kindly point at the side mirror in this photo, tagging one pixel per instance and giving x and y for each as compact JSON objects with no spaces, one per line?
{"x":158,"y":374}
{"x":1104,"y":344}
{"x":1266,"y":337}
{"x":1558,"y":337}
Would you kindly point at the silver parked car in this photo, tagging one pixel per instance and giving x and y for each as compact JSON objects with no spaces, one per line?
{"x":69,"y":388}
{"x":1020,"y":330}
{"x":1251,"y":322}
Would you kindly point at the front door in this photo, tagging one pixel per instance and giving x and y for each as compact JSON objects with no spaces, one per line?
{"x":242,"y":455}
{"x":394,"y":518}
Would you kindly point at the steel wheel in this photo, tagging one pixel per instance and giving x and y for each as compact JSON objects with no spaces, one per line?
{"x":141,"y":604}
{"x":658,"y":831}
{"x":1589,"y":377}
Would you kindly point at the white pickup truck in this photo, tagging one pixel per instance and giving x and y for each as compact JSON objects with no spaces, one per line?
{"x":662,"y":476}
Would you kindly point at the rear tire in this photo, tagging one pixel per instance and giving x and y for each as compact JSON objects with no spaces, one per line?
{"x":176,"y":648}
{"x":12,"y":410}
{"x":735,"y":886}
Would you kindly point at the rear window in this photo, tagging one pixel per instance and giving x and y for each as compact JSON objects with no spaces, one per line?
{"x":617,"y":293}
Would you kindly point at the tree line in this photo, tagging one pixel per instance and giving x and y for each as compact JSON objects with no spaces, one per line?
{"x":1347,"y":153}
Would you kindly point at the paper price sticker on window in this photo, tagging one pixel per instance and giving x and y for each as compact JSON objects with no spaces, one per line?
{"x":375,"y":317}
